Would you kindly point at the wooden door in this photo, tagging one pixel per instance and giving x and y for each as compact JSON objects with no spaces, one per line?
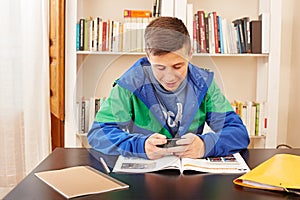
{"x":57,"y":71}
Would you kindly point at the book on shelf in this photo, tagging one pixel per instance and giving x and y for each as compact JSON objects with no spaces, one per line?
{"x":135,"y":22}
{"x":243,"y":34}
{"x":189,"y":20}
{"x":265,"y":32}
{"x":80,"y":180}
{"x":180,"y":7}
{"x":166,"y":8}
{"x":253,"y":115}
{"x":216,"y":34}
{"x":206,"y":31}
{"x":220,"y":34}
{"x":246,"y":31}
{"x":200,"y":15}
{"x":156,"y":8}
{"x":81,"y":34}
{"x":240,"y":35}
{"x":137,"y":13}
{"x":211,"y":33}
{"x":86,"y":34}
{"x":77,"y":36}
{"x":86,"y":112}
{"x":228,"y":164}
{"x":256,"y":36}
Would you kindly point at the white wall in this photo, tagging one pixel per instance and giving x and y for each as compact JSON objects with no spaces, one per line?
{"x":285,"y":69}
{"x":294,"y":106}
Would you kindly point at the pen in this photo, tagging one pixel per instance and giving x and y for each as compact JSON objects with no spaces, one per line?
{"x":104,"y":165}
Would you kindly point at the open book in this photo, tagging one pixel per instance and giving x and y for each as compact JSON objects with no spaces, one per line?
{"x":229,"y":164}
{"x":80,"y":180}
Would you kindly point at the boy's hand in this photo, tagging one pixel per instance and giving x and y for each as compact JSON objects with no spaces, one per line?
{"x":151,"y":149}
{"x":189,"y":146}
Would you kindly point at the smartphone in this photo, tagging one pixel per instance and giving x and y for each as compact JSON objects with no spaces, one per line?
{"x":171,"y":142}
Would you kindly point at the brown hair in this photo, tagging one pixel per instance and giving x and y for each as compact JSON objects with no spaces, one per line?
{"x":166,"y":34}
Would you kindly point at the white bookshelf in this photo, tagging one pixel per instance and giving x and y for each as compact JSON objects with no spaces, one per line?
{"x":242,"y":76}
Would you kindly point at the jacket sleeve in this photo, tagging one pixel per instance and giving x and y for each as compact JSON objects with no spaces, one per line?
{"x":109,"y":131}
{"x":229,"y":135}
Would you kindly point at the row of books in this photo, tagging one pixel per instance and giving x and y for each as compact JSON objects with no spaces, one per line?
{"x":97,"y":34}
{"x":253,"y":115}
{"x":210,"y":33}
{"x":86,"y":112}
{"x":214,"y":34}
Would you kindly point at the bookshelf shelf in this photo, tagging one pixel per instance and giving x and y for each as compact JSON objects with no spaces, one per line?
{"x":245,"y":76}
{"x":195,"y":54}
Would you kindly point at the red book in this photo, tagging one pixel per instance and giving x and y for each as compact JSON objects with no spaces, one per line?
{"x":104,"y":29}
{"x":217,"y":46}
{"x":202,"y":31}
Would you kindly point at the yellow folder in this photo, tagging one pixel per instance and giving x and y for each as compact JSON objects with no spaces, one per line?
{"x":281,"y":173}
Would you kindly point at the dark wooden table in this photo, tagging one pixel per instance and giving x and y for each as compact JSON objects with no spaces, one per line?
{"x":166,"y":184}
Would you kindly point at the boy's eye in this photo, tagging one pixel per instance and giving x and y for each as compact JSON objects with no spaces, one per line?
{"x":160,"y":67}
{"x":178,"y":66}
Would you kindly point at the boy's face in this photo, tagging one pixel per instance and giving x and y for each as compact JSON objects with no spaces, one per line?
{"x":170,"y":69}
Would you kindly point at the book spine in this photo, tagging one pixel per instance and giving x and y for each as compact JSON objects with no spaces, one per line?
{"x":137,"y":13}
{"x":86,"y":34}
{"x":265,"y":23}
{"x":167,"y":8}
{"x":211,"y":33}
{"x":216,"y":36}
{"x":77,"y":36}
{"x":246,"y":31}
{"x":220,"y":34}
{"x":104,"y":46}
{"x":206,"y":32}
{"x":81,"y":35}
{"x":91,"y":33}
{"x":202,"y":31}
{"x":256,"y":36}
{"x":197,"y":33}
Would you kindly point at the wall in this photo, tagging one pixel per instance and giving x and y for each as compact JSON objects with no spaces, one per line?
{"x":294,"y":106}
{"x":285,"y":69}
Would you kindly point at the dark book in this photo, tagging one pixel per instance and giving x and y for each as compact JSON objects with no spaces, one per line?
{"x":241,"y":41}
{"x":255,"y":36}
{"x":216,"y":35}
{"x":246,"y":31}
{"x":81,"y":34}
{"x":206,"y":32}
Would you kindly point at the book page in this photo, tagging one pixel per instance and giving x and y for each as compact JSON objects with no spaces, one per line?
{"x":228,"y":164}
{"x":140,"y":165}
{"x":80,"y":180}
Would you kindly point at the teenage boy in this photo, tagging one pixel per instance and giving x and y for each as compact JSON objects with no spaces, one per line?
{"x":165,"y":96}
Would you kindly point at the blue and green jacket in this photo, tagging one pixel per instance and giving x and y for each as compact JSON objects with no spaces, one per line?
{"x":132,"y":113}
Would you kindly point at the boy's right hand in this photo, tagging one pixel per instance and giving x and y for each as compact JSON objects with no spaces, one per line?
{"x":151,"y":148}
